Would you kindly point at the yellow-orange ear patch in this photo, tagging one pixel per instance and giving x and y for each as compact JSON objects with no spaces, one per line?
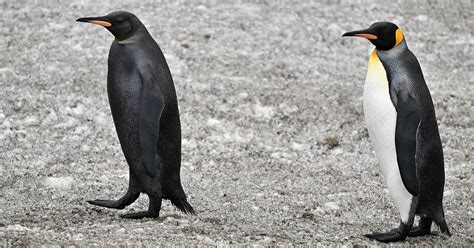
{"x":102,"y":23}
{"x":398,"y":37}
{"x":367,"y":36}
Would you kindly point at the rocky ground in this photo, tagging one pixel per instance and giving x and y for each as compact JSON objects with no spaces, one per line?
{"x":275,"y":150}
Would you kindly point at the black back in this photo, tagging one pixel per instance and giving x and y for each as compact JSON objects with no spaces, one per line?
{"x":418,"y":145}
{"x":142,"y":97}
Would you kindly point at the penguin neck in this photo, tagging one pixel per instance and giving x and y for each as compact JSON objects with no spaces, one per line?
{"x":400,"y":48}
{"x":137,"y":36}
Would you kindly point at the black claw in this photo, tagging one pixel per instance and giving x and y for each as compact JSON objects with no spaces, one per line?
{"x":106,"y":203}
{"x":372,"y":235}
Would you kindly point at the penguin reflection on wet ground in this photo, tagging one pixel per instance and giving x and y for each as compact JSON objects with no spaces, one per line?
{"x":144,"y":107}
{"x":402,"y":125}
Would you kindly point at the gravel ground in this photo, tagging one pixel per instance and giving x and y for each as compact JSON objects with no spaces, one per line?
{"x":275,"y":149}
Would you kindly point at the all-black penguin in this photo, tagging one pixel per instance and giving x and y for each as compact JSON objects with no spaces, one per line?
{"x":144,"y":107}
{"x":402,"y":125}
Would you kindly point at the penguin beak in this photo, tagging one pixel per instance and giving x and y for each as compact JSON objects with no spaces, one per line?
{"x":96,"y":20}
{"x":361,"y":33}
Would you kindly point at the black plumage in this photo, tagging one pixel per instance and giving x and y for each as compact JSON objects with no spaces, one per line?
{"x":418,"y":144}
{"x":144,"y":107}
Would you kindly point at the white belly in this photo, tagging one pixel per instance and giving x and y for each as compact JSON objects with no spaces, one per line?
{"x":380,"y":117}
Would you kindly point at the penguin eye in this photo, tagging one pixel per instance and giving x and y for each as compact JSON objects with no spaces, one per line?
{"x":120,"y":20}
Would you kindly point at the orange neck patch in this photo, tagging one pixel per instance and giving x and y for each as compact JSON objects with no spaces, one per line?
{"x":398,"y":37}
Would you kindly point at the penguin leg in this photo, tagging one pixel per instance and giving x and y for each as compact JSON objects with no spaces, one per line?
{"x":152,"y":187}
{"x":396,"y":234}
{"x":400,"y":233}
{"x":153,"y":210}
{"x":423,"y":228}
{"x":132,"y":194}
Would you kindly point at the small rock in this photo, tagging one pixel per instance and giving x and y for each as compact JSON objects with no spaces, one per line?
{"x":308,"y":215}
{"x":332,"y":141}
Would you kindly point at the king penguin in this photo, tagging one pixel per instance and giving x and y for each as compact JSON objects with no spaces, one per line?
{"x":402,"y":125}
{"x":144,"y":107}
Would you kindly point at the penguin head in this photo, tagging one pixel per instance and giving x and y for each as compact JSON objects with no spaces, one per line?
{"x":383,"y":35}
{"x":121,"y":24}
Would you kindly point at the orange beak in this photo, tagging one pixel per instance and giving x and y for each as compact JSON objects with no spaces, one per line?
{"x":367,"y":36}
{"x":362,"y":33}
{"x":102,"y":23}
{"x":95,"y":20}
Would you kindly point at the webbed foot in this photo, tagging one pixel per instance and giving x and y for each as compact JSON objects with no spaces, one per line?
{"x":394,"y":235}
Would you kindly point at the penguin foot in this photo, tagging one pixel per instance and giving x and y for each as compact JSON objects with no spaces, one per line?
{"x":394,"y":235}
{"x":141,"y":215}
{"x":107,"y":203}
{"x":390,"y":236}
{"x":418,"y":231}
{"x":423,"y":228}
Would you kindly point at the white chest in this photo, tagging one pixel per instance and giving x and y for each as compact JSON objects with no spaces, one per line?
{"x":379,"y":112}
{"x":380,"y":116}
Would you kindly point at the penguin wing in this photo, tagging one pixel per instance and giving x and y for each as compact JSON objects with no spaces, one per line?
{"x":151,"y":108}
{"x":406,"y":87}
{"x":408,"y":120}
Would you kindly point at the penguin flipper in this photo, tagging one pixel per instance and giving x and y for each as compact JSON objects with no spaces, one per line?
{"x":408,"y":120}
{"x":151,"y":108}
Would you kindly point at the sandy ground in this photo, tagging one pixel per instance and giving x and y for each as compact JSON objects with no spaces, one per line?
{"x":275,"y":149}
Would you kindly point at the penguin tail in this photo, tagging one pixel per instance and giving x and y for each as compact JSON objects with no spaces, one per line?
{"x":443,"y":227}
{"x":441,"y":222}
{"x":183,"y":205}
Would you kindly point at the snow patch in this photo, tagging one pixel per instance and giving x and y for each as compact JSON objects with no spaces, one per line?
{"x":18,"y":227}
{"x":31,"y":121}
{"x":331,"y":206}
{"x":298,"y":147}
{"x":51,"y":118}
{"x":421,"y":18}
{"x":213,"y":122}
{"x":263,"y":111}
{"x":59,"y":182}
{"x":243,"y":95}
